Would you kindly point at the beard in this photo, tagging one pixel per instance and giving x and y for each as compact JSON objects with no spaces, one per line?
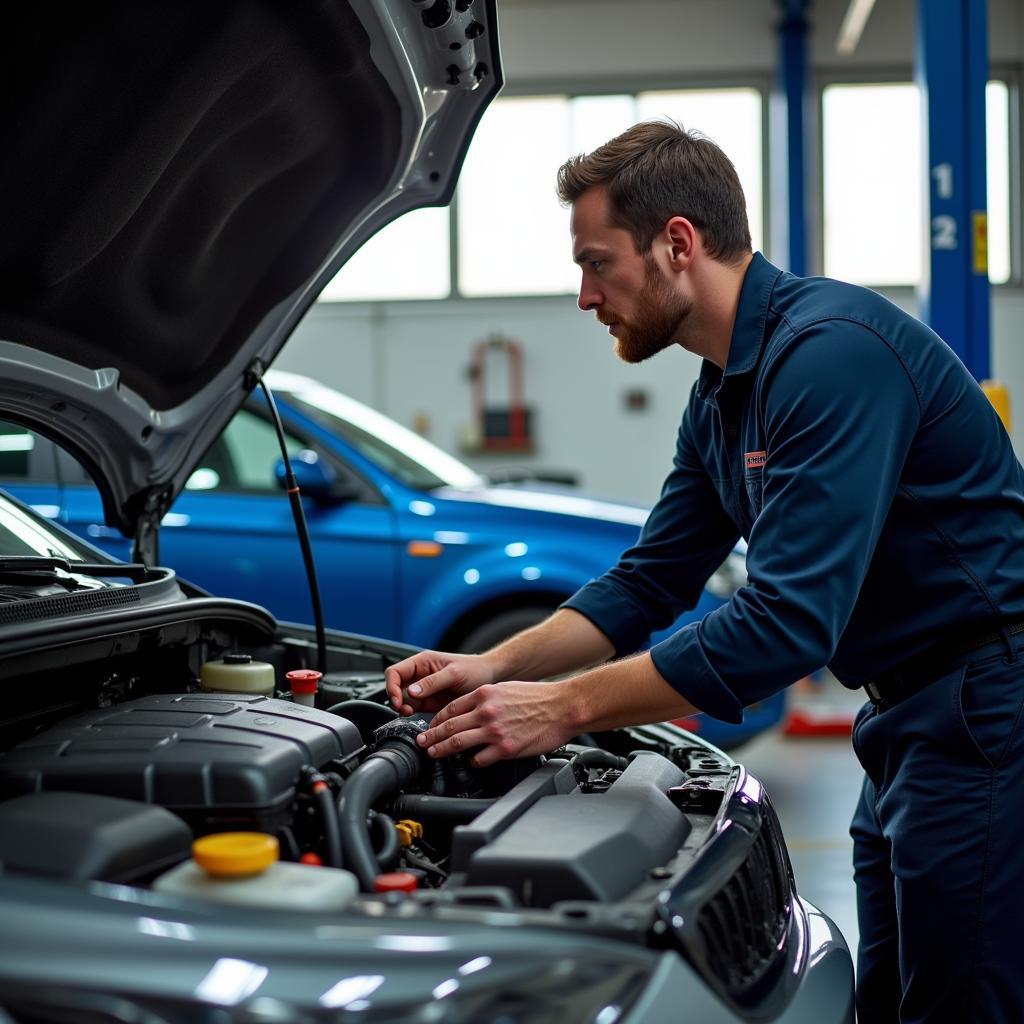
{"x":661,"y":312}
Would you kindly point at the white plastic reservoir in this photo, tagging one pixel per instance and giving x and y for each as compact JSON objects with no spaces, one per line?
{"x":243,"y":868}
{"x":237,"y":673}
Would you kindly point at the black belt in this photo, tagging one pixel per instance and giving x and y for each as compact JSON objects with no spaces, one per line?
{"x":916,"y":673}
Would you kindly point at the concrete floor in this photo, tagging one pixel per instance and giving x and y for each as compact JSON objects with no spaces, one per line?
{"x":814,"y":783}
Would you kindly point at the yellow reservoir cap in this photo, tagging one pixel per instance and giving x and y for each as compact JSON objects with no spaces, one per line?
{"x":233,"y":854}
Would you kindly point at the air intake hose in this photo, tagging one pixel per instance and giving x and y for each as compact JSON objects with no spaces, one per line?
{"x":394,"y":765}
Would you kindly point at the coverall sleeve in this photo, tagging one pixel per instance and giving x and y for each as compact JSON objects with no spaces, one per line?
{"x":685,"y":539}
{"x":840,"y":412}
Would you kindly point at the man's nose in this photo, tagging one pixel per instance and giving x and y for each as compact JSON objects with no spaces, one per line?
{"x":589,"y":297}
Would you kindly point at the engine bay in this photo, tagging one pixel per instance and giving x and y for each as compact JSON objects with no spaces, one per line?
{"x":222,"y":761}
{"x":115,"y":759}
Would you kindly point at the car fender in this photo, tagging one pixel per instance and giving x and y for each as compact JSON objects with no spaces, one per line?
{"x":463,"y":578}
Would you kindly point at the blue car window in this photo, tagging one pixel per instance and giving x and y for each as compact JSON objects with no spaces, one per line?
{"x":253,"y":449}
{"x":407,"y":471}
{"x":243,"y":457}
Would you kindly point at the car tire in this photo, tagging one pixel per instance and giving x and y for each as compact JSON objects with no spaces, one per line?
{"x":486,"y":634}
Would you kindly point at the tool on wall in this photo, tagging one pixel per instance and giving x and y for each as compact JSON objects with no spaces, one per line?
{"x":499,"y":427}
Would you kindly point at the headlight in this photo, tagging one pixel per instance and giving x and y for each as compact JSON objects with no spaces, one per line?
{"x":729,"y":576}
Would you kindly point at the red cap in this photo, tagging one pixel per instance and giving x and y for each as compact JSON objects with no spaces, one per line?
{"x":396,"y":881}
{"x":303,"y":680}
{"x":311,"y":858}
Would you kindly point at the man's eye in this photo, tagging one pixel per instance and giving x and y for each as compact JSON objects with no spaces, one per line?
{"x":597,"y":264}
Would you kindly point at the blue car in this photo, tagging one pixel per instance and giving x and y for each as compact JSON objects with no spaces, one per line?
{"x":409,"y":542}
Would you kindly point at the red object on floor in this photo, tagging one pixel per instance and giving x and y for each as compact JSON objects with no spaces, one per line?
{"x":800,"y":723}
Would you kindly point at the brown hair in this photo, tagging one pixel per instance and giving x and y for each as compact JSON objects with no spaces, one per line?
{"x":655,"y":171}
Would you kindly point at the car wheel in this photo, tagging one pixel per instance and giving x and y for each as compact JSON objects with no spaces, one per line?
{"x":503,"y":625}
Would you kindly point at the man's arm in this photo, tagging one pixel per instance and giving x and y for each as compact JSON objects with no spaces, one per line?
{"x":565,"y":642}
{"x":684,"y":539}
{"x":840,"y":412}
{"x":515,"y":719}
{"x":834,"y":462}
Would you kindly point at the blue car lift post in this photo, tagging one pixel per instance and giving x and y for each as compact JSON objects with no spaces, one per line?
{"x":952,"y":72}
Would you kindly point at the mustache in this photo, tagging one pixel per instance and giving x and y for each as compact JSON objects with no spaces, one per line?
{"x":607,"y":320}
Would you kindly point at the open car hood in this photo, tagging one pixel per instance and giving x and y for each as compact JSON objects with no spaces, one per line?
{"x":179,"y":183}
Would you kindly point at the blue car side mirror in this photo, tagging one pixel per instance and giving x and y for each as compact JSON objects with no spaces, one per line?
{"x":316,"y":479}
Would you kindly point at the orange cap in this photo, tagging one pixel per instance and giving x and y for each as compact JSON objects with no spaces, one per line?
{"x":232,"y":854}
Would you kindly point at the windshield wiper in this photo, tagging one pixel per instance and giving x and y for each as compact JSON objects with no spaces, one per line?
{"x":44,"y":563}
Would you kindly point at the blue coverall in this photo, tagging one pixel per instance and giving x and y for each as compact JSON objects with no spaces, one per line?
{"x":883,"y":507}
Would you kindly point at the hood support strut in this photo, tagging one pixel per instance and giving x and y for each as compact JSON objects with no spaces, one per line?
{"x":146,"y":544}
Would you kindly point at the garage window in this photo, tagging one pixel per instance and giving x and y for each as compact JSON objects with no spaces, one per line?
{"x":512,"y":233}
{"x":406,"y":260}
{"x":874,"y":179}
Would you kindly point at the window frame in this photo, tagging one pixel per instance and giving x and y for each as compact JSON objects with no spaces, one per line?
{"x":904,"y":74}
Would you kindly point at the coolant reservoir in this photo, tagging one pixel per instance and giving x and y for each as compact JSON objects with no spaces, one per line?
{"x":242,"y":868}
{"x":237,"y":673}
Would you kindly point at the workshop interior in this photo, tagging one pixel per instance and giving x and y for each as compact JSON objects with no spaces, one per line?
{"x":295,"y":383}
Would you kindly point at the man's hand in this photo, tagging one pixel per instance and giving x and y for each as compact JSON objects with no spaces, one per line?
{"x":511,"y":719}
{"x":429,"y":680}
{"x":519,"y":718}
{"x":562,"y":643}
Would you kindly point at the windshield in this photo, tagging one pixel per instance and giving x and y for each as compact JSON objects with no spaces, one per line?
{"x":411,"y":459}
{"x":23,"y":533}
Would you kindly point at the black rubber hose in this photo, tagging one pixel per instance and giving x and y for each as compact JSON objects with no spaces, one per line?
{"x":288,"y":844}
{"x":597,"y":758}
{"x":365,"y":715}
{"x":389,"y":849}
{"x":452,"y":810}
{"x":331,"y":824}
{"x":384,"y":772}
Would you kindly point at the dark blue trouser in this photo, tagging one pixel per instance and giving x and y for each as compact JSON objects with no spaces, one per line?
{"x":939,"y":849}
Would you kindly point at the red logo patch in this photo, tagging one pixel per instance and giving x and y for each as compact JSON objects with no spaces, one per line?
{"x":755,"y":460}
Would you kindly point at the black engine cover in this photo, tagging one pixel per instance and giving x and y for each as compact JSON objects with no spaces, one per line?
{"x":217,"y":760}
{"x":580,"y":846}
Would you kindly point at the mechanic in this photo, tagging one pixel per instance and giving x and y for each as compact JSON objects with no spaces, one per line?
{"x":884,"y":510}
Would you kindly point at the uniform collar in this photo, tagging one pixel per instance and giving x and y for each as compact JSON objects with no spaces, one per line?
{"x":748,"y":330}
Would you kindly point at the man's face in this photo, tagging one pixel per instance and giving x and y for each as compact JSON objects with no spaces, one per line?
{"x":627,"y":290}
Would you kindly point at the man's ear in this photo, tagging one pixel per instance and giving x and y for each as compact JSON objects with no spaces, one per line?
{"x":681,"y":241}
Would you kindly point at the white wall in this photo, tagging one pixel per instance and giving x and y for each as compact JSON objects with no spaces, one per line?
{"x":409,"y":359}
